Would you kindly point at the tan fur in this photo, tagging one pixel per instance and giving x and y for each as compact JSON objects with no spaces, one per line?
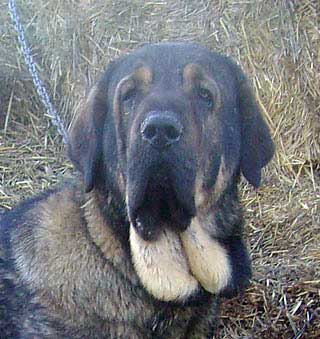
{"x":124,"y":85}
{"x":191,"y":73}
{"x":207,"y":259}
{"x":193,"y":254}
{"x":162,"y":266}
{"x":59,"y":219}
{"x":144,"y":75}
{"x":63,"y":259}
{"x":201,"y":196}
{"x":101,"y":234}
{"x":222,"y":180}
{"x":195,"y":75}
{"x":140,"y":78}
{"x":170,"y":267}
{"x":204,"y":199}
{"x":72,"y":259}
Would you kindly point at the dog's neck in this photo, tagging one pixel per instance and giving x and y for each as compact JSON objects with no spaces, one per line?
{"x":113,"y":211}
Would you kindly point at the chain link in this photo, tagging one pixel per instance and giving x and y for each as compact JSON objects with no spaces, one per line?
{"x":38,"y":83}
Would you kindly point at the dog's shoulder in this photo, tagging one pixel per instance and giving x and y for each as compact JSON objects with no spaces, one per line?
{"x":50,"y":206}
{"x":39,"y":224}
{"x":56,"y":249}
{"x":25,"y":246}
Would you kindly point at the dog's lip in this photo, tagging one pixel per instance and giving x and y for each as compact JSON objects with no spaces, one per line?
{"x":149,"y":217}
{"x":188,"y":205}
{"x":159,"y":197}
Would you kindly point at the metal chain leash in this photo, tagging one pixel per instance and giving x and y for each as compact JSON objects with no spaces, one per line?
{"x":38,"y":83}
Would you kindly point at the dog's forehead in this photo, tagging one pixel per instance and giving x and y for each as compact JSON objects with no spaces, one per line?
{"x":167,"y":60}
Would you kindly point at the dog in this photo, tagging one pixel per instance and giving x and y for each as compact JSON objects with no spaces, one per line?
{"x":148,"y":237}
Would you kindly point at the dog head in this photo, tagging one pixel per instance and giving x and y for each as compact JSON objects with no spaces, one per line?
{"x":169,"y":127}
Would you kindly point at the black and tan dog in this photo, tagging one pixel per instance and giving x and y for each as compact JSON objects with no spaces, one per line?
{"x":145,"y":242}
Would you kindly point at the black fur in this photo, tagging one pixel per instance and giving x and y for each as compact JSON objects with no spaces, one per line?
{"x":66,"y":263}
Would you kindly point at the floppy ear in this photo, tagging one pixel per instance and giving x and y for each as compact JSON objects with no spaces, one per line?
{"x":85,"y":136}
{"x":257,"y":147}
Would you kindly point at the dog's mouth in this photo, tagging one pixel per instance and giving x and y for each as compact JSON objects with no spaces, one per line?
{"x":157,"y":205}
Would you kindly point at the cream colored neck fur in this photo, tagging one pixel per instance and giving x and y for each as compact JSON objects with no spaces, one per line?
{"x":172,"y":267}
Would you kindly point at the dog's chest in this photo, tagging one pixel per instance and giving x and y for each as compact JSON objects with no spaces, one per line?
{"x":168,"y":322}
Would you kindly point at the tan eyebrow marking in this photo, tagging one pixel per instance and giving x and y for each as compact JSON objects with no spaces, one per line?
{"x":194,"y":74}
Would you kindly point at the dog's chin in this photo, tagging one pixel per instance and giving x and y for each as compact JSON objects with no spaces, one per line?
{"x":173,"y":254}
{"x":161,"y":206}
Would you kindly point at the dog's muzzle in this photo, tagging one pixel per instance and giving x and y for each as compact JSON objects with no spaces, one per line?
{"x":161,"y":129}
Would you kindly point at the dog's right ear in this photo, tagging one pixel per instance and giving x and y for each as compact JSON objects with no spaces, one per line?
{"x":257,"y":147}
{"x":85,"y":135}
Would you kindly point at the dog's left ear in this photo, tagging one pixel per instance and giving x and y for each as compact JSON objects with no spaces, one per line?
{"x":86,"y":132}
{"x":257,"y":147}
{"x":85,"y":135}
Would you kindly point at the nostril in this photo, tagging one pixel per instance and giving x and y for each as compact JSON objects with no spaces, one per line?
{"x":161,"y":130}
{"x":149,"y":131}
{"x":172,"y":133}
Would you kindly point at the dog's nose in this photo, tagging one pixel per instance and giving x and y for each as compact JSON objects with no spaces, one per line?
{"x":161,"y":129}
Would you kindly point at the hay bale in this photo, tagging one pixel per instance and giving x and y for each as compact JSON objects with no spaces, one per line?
{"x":277,"y":43}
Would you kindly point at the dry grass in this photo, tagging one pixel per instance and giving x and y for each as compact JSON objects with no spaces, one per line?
{"x":276,"y":42}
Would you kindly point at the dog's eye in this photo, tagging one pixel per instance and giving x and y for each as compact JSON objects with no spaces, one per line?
{"x":129,"y":96}
{"x":206,"y":96}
